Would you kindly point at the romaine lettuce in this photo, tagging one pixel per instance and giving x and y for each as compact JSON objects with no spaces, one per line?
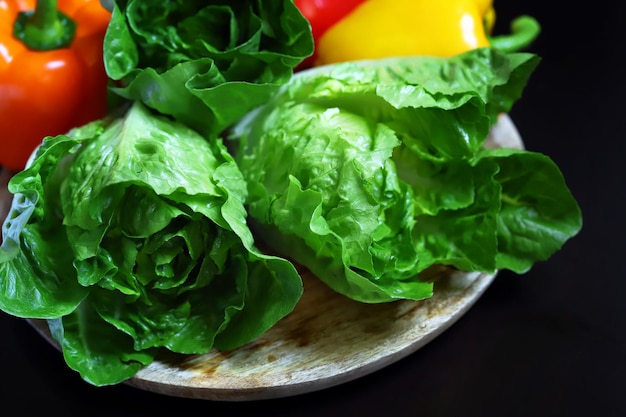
{"x":204,"y":63}
{"x":130,"y":236}
{"x":368,"y":173}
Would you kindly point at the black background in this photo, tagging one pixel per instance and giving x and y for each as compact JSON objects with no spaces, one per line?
{"x":547,"y":343}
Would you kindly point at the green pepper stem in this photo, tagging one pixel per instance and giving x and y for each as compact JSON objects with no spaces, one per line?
{"x":45,"y":27}
{"x":524,"y":30}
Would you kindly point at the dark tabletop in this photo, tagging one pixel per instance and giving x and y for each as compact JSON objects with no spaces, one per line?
{"x":551,"y":342}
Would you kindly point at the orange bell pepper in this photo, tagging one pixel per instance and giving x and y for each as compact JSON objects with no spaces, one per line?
{"x":52,"y":75}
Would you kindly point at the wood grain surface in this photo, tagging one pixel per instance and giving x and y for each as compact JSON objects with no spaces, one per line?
{"x":327,"y":340}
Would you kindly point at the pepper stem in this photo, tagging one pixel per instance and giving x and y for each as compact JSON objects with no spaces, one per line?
{"x":45,"y":27}
{"x":524,"y":30}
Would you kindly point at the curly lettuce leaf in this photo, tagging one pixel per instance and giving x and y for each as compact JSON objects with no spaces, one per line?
{"x":204,"y":64}
{"x":370,"y":172}
{"x":538,"y":212}
{"x":132,"y":236}
{"x":110,"y":357}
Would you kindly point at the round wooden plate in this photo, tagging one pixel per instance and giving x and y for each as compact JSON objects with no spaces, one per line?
{"x":327,"y":340}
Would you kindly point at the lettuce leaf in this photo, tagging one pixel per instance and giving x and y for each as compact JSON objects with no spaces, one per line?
{"x":368,"y":173}
{"x":130,"y":236}
{"x":204,"y":63}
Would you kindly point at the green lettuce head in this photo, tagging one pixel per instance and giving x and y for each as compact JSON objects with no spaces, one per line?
{"x":131,"y":236}
{"x":205,"y":63}
{"x":368,"y":173}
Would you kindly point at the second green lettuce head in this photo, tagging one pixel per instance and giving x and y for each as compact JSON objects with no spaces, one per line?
{"x":368,"y":173}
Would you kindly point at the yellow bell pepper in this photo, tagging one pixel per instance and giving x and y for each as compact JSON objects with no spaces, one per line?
{"x":386,"y":28}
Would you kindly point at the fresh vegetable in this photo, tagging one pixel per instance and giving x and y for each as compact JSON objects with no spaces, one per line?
{"x":131,"y":236}
{"x":322,"y":15}
{"x":368,"y":173}
{"x":524,"y":30}
{"x":373,"y":29}
{"x":405,"y":27}
{"x":204,"y":64}
{"x":52,"y":74}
